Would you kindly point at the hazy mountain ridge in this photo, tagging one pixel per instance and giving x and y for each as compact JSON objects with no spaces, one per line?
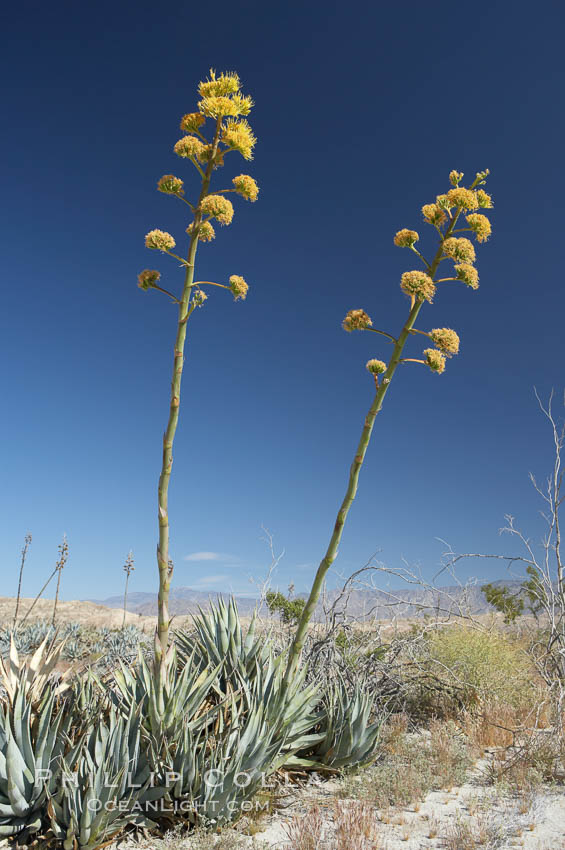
{"x":382,"y":604}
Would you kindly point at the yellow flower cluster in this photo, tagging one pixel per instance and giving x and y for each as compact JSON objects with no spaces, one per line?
{"x":484,"y":199}
{"x":227,"y":83}
{"x":238,"y":136}
{"x":221,"y":107}
{"x":238,"y":286}
{"x":459,"y":249}
{"x":221,"y":97}
{"x":463,"y":199}
{"x":406,"y":238}
{"x":468,"y":274}
{"x":205,"y":232}
{"x":218,"y":207}
{"x":159,"y":240}
{"x":376,"y":367}
{"x":147,"y":278}
{"x":192,"y":122}
{"x":199,"y":297}
{"x":418,"y":285}
{"x":356,"y":320}
{"x":433,"y":214}
{"x":480,"y":225}
{"x":455,"y":177}
{"x":170,"y":185}
{"x":246,"y":187}
{"x":435,"y":360}
{"x":189,"y":147}
{"x":446,"y":340}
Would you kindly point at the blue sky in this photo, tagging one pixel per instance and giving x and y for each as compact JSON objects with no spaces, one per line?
{"x":361,"y":112}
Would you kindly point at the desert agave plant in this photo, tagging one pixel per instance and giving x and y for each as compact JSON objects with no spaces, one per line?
{"x":349,"y":739}
{"x":288,"y":708}
{"x":30,"y":747}
{"x":452,"y":213}
{"x":35,"y":674}
{"x":217,"y":129}
{"x":26,"y":638}
{"x":105,"y":784}
{"x":218,"y":640}
{"x":216,"y":775}
{"x":180,"y":698}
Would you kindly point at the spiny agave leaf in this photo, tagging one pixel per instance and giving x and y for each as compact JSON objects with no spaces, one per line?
{"x":348,"y":739}
{"x":35,"y":671}
{"x":13,"y":826}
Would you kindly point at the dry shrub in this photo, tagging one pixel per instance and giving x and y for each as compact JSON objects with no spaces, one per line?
{"x":305,"y":832}
{"x":481,"y":833}
{"x":521,"y":769}
{"x":483,"y":665}
{"x":354,"y":828}
{"x":498,"y":724}
{"x":412,"y":765}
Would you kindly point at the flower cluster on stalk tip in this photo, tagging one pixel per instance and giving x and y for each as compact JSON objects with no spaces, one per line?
{"x":445,"y":214}
{"x":222,"y":101}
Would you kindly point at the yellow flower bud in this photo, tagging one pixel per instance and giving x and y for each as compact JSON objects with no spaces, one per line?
{"x":459,"y":249}
{"x":191,"y":122}
{"x":189,"y":147}
{"x":376,"y":367}
{"x":147,"y":278}
{"x":484,"y":199}
{"x":159,"y":240}
{"x":446,"y":340}
{"x":356,"y":320}
{"x":246,"y":187}
{"x":227,"y":83}
{"x":406,"y":238}
{"x":480,"y":225}
{"x":443,"y":202}
{"x":238,"y":136}
{"x":455,"y":177}
{"x":218,"y":207}
{"x":217,"y":107}
{"x":238,"y":286}
{"x":468,"y":274}
{"x":418,"y":285}
{"x":433,"y":214}
{"x":170,"y":185}
{"x":205,"y":232}
{"x":463,"y":199}
{"x":435,"y":360}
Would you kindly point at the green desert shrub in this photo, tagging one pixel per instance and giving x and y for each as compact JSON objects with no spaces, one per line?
{"x":477,"y":666}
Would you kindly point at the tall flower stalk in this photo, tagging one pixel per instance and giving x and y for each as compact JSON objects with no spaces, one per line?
{"x":27,"y":544}
{"x":223,"y":105}
{"x":63,"y":558}
{"x":419,"y":286}
{"x":128,"y":569}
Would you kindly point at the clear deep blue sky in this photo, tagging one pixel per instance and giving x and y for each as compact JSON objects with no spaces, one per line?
{"x":362,"y":109}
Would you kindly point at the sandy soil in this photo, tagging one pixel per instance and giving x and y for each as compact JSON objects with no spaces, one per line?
{"x":503,"y":821}
{"x":87,"y":613}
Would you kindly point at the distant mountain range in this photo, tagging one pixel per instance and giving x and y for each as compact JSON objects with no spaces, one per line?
{"x":405,"y":602}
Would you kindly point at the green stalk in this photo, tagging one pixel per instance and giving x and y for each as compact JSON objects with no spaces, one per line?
{"x":382,"y":389}
{"x":27,"y":541}
{"x":125,"y":601}
{"x":185,"y":309}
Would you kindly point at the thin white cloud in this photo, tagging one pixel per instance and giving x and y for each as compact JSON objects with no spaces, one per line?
{"x":206,"y":580}
{"x":209,"y":556}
